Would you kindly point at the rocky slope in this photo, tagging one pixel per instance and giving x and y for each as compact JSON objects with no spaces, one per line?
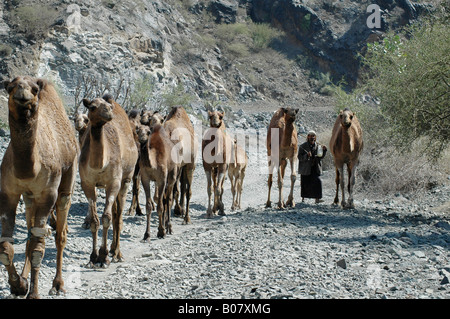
{"x":170,"y":41}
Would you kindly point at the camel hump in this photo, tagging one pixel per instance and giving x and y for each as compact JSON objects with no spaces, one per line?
{"x":108,"y":97}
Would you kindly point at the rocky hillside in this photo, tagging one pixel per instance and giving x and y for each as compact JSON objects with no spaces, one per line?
{"x":172,"y":42}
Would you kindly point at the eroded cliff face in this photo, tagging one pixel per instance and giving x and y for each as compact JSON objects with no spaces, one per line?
{"x":113,"y":40}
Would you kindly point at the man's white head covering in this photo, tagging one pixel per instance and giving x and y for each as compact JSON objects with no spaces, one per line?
{"x":311,"y":132}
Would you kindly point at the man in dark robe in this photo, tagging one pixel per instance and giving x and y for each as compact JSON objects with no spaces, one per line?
{"x":310,"y":155}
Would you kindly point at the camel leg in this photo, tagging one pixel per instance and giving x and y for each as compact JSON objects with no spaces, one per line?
{"x":336,"y":197}
{"x":160,"y":207}
{"x":110,"y":208}
{"x":269,"y":184}
{"x":209,"y":189}
{"x":189,"y":176}
{"x":183,"y":186}
{"x":118,"y":222}
{"x":351,"y":183}
{"x":93,"y":220}
{"x":62,"y":211}
{"x":342,"y":184}
{"x":148,"y":206}
{"x":178,"y":210}
{"x":290,"y":201}
{"x":42,"y":208}
{"x":171,"y":181}
{"x":218,"y":203}
{"x":233,"y":182}
{"x":240,"y":187}
{"x":134,"y":193}
{"x":62,"y":206}
{"x":281,"y":172}
{"x":8,"y":205}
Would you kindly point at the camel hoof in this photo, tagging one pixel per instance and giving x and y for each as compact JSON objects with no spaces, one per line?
{"x":268,"y":204}
{"x":57,"y":292}
{"x":161,"y":234}
{"x":19,"y":288}
{"x":33,"y":295}
{"x":117,"y":259}
{"x":281,"y":205}
{"x":187,"y":221}
{"x":290,"y":203}
{"x":86,"y":225}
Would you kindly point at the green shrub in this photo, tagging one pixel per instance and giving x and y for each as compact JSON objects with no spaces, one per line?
{"x":409,"y":74}
{"x":34,"y":20}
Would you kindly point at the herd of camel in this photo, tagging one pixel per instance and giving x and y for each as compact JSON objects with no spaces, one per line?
{"x":115,"y":149}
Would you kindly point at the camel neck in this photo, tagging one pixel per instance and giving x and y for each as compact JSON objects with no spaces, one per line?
{"x":347,"y":142}
{"x":288,"y":130}
{"x":98,"y":147}
{"x":23,"y":143}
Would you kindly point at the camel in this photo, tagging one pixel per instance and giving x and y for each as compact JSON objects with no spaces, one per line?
{"x":108,"y":158}
{"x":236,"y":173}
{"x":134,"y":116}
{"x":157,"y":164}
{"x":216,"y":154}
{"x":81,"y":122}
{"x":40,"y":164}
{"x":346,"y":144}
{"x":282,"y":144}
{"x":137,"y":119}
{"x":180,"y":129}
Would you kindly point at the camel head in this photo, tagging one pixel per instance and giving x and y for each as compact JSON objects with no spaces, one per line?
{"x":346,"y":116}
{"x":81,"y":121}
{"x":151,"y":118}
{"x":100,"y":111}
{"x":23,"y":96}
{"x":143,"y":132}
{"x":290,"y":114}
{"x":215,"y":118}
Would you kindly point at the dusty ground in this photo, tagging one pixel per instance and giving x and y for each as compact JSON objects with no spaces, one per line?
{"x":385,"y":248}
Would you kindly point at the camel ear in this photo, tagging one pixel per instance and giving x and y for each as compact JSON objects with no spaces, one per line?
{"x":296,"y":111}
{"x":284,"y":110}
{"x":210,"y":113}
{"x":222,"y":115}
{"x":86,"y":103}
{"x":41,"y":83}
{"x":6,"y":84}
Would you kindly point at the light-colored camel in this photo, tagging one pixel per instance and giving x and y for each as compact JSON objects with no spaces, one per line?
{"x":40,"y":164}
{"x":216,"y":155}
{"x":236,"y":173}
{"x":282,"y":144}
{"x":181,"y":132}
{"x":81,"y":122}
{"x":346,"y":144}
{"x":157,"y":164}
{"x":108,"y":158}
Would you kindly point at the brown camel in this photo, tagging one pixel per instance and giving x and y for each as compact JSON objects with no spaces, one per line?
{"x":108,"y":158}
{"x":157,"y":164}
{"x":282,"y":144}
{"x":134,"y":116}
{"x":81,"y":122}
{"x":181,"y":132}
{"x":148,"y":118}
{"x":216,"y":154}
{"x":236,"y":173}
{"x":346,"y":144}
{"x":40,"y":164}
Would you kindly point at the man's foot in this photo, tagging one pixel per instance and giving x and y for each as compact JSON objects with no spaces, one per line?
{"x":318,"y":200}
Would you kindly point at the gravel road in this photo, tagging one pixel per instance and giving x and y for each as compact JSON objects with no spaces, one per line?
{"x":394,"y":248}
